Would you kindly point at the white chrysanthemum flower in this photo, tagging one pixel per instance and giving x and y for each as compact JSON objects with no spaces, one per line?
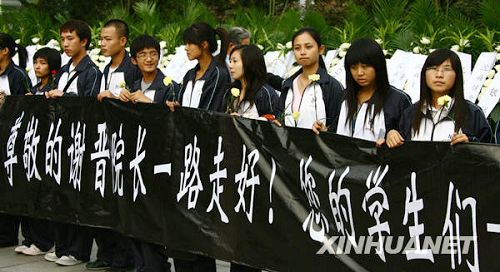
{"x":169,"y":57}
{"x":379,"y":41}
{"x":443,"y":100}
{"x":260,"y":47}
{"x":334,"y":62}
{"x":497,"y":48}
{"x":385,"y":52}
{"x":497,"y":68}
{"x":491,"y":73}
{"x":425,"y":40}
{"x":18,"y":41}
{"x":416,"y":50}
{"x":345,"y":46}
{"x":94,"y":58}
{"x":163,"y":44}
{"x":95,"y":51}
{"x":487,"y":82}
{"x":288,"y":45}
{"x":280,"y":46}
{"x":35,"y":40}
{"x":102,"y":58}
{"x":455,"y":47}
{"x":432,"y":50}
{"x":342,"y":54}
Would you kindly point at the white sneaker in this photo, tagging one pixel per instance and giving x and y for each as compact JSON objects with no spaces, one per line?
{"x":68,"y":261}
{"x":33,"y":251}
{"x":51,"y":257}
{"x":19,"y":249}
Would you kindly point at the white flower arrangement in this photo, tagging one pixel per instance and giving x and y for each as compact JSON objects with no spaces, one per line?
{"x":490,"y":76}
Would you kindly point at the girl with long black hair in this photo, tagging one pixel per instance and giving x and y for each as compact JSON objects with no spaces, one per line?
{"x":371,"y":106}
{"x":442,"y":114}
{"x":254,"y":97}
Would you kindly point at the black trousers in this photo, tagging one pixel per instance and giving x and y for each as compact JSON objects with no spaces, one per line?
{"x":150,"y":257}
{"x":38,"y":232}
{"x":114,"y":248}
{"x":73,"y":240}
{"x":9,"y":230}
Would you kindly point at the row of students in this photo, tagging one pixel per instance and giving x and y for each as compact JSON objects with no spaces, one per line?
{"x":316,"y":96}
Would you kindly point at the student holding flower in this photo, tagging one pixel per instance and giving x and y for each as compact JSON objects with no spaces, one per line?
{"x":249,"y":96}
{"x":114,"y":250}
{"x":39,"y":234}
{"x":310,"y":94}
{"x":442,"y":114}
{"x":153,"y":86}
{"x":120,"y":73}
{"x":46,"y":63}
{"x":371,"y":106}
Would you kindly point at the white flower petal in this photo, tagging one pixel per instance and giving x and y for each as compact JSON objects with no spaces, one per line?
{"x":491,"y":73}
{"x":425,"y":40}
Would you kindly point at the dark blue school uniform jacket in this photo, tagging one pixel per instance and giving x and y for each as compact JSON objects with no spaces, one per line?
{"x":162,"y":93}
{"x":130,"y":71}
{"x":265,"y":101}
{"x":476,"y":126}
{"x":332,"y":96}
{"x":88,"y":81}
{"x":40,"y":91}
{"x":207,"y":92}
{"x":395,"y":104}
{"x":19,"y":82}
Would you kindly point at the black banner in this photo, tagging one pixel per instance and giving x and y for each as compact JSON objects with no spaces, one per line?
{"x":248,"y":191}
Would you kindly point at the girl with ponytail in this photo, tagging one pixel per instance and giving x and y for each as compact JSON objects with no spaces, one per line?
{"x":203,"y":86}
{"x":13,"y":78}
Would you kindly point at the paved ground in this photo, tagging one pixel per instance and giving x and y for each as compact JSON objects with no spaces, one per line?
{"x":12,"y":262}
